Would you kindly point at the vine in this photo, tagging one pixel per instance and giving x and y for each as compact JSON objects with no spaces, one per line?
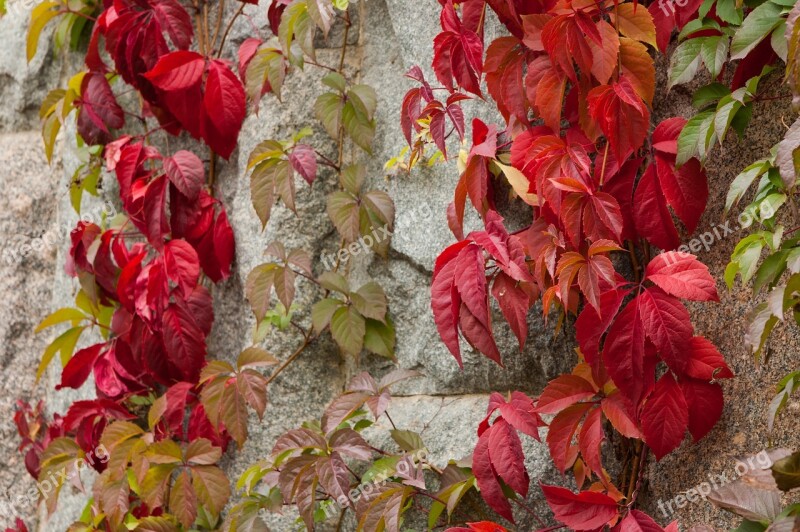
{"x":574,"y":82}
{"x":164,"y":414}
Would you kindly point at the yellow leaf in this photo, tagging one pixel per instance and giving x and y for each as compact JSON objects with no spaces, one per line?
{"x":519,"y":183}
{"x":635,"y":22}
{"x":40,"y":16}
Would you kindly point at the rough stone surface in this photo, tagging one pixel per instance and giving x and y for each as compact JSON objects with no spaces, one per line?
{"x":445,"y":404}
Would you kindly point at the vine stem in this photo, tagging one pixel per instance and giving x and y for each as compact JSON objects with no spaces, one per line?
{"x":228,"y":28}
{"x":634,"y":261}
{"x":636,"y":470}
{"x":218,"y":25}
{"x":308,"y":341}
{"x":528,"y":509}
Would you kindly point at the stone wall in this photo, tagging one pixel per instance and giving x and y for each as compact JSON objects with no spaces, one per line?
{"x":446,"y":404}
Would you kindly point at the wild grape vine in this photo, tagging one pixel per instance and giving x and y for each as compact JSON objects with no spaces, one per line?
{"x":575,"y":83}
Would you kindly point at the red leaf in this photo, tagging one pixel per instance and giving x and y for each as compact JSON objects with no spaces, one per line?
{"x":624,"y":352}
{"x":590,"y":439}
{"x":490,"y":488}
{"x":79,"y":367}
{"x":508,"y":460}
{"x":478,"y":335}
{"x":155,"y":215}
{"x":705,"y":402}
{"x":184,"y":342}
{"x":705,"y":361}
{"x":686,"y":189}
{"x":247,"y":50}
{"x":445,"y":299}
{"x":637,"y":521}
{"x":519,"y":412}
{"x":185,"y":170}
{"x":590,"y":326}
{"x":182,"y":265}
{"x":563,"y":391}
{"x":622,"y":115}
{"x":682,"y":275}
{"x":587,"y":510}
{"x":224,"y":108}
{"x":514,"y":304}
{"x":560,"y":433}
{"x":505,"y":58}
{"x":664,"y":18}
{"x":304,"y":161}
{"x":99,"y":110}
{"x":483,"y":526}
{"x":665,"y":417}
{"x":177,"y":71}
{"x":650,"y":214}
{"x":668,"y":325}
{"x":223,"y":247}
{"x":470,"y":280}
{"x":618,"y":411}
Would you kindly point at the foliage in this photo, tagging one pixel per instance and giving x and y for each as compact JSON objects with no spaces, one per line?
{"x":574,"y":83}
{"x":760,"y":35}
{"x":164,"y":413}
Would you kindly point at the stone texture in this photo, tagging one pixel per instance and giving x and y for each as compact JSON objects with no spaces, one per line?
{"x":445,"y":404}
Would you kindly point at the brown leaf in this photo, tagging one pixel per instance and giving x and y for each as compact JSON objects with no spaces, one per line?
{"x":183,"y":499}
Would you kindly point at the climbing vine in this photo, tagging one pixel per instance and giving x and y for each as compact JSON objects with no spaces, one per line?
{"x":575,"y":83}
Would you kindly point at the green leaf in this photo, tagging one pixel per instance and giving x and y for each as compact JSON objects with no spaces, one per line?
{"x":381,"y":469}
{"x":787,"y":387}
{"x":321,"y":12}
{"x":380,"y":204}
{"x":778,"y":41}
{"x":64,"y":344}
{"x":709,"y":94}
{"x":408,"y":440}
{"x":760,"y":322}
{"x":322,"y":312}
{"x":787,"y":472}
{"x":258,"y":288}
{"x":770,"y":270}
{"x":714,"y":51}
{"x":380,"y":338}
{"x":692,"y":134}
{"x":335,"y":282}
{"x":364,"y":100}
{"x":743,"y":181}
{"x":348,"y":329}
{"x":360,"y":128}
{"x":726,"y":111}
{"x":328,"y":110}
{"x":684,"y":62}
{"x":755,"y":28}
{"x":352,"y":178}
{"x":343,"y":211}
{"x":253,"y":357}
{"x":269,"y":177}
{"x":266,"y":66}
{"x":296,"y":26}
{"x":728,"y":11}
{"x":60,"y":316}
{"x":370,"y":301}
{"x":335,"y":81}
